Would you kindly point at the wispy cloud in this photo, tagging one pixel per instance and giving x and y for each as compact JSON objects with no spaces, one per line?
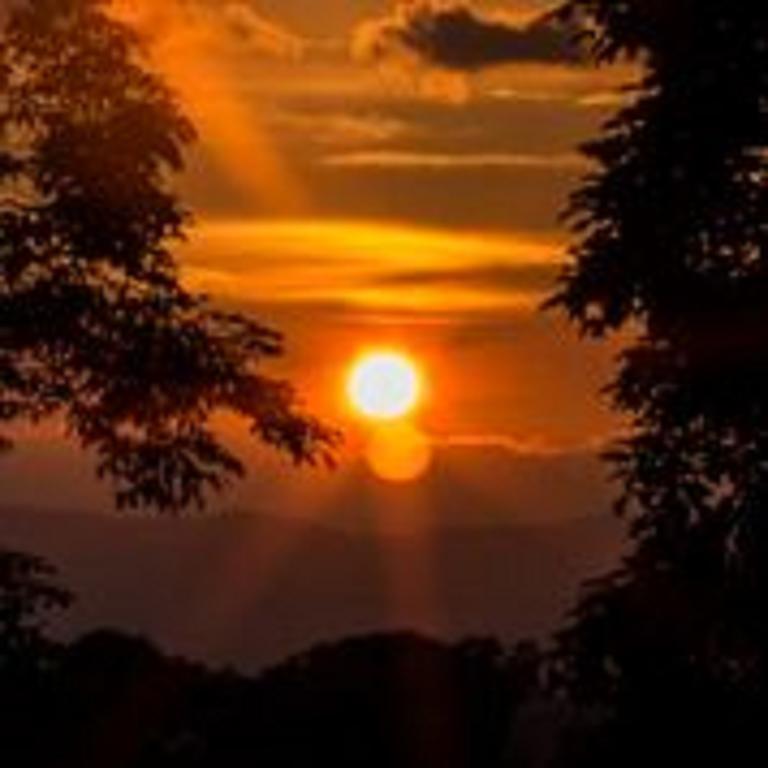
{"x":372,"y":266}
{"x":236,"y":23}
{"x":438,"y":161}
{"x":525,"y":277}
{"x":528,"y":447}
{"x":260,"y":33}
{"x":341,"y":129}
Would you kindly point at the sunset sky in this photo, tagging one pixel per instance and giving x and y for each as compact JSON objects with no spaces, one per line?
{"x":382,"y":382}
{"x":371,"y":175}
{"x":383,"y":174}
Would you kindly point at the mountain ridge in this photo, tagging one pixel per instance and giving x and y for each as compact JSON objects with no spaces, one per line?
{"x":250,"y":590}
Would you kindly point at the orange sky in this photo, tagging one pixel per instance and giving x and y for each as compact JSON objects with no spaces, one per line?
{"x":354,"y":203}
{"x":356,"y":194}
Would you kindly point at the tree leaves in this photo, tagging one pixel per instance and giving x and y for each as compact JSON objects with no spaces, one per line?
{"x":95,"y":325}
{"x":671,"y":244}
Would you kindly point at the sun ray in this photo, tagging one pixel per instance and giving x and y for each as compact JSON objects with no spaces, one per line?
{"x":194,"y":57}
{"x":410,"y":560}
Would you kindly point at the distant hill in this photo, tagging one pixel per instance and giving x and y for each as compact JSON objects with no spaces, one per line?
{"x":467,"y":486}
{"x":250,"y":590}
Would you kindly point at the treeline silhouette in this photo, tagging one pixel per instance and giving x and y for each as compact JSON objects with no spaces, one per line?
{"x":113,"y":699}
{"x":388,"y":700}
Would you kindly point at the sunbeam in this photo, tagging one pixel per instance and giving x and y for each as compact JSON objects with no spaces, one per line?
{"x":195,"y":56}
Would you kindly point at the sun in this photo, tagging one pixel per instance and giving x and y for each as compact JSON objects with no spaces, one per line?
{"x":384,"y":385}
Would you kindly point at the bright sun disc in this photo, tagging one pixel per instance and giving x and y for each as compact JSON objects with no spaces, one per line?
{"x":384,"y":385}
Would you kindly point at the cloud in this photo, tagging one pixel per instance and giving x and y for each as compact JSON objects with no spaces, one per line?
{"x":451,"y":35}
{"x":530,"y":447}
{"x":236,"y":24}
{"x":393,"y":159}
{"x":522,"y":277}
{"x":331,"y":128}
{"x":367,"y":266}
{"x":260,"y":33}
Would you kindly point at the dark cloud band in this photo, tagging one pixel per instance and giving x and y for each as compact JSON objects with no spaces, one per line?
{"x":518,"y":278}
{"x":453,"y":36}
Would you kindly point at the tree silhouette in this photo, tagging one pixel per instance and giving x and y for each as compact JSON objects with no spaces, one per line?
{"x":95,"y":326}
{"x":28,"y":595}
{"x":672,"y":248}
{"x":384,"y":700}
{"x":390,"y":700}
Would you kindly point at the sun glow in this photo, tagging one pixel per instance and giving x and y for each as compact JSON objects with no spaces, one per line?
{"x":384,"y":386}
{"x":399,"y":453}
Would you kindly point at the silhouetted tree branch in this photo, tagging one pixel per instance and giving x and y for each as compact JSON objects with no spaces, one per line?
{"x":28,"y":596}
{"x":95,"y":326}
{"x":672,"y":245}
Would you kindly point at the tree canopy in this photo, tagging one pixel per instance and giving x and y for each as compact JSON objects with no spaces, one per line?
{"x":29,"y":595}
{"x":671,"y":246}
{"x":96,"y":327}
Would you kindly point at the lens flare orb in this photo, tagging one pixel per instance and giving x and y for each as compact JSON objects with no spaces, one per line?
{"x":399,"y":453}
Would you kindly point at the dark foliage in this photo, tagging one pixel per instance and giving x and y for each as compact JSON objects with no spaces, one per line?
{"x":384,"y":700}
{"x":393,"y":701}
{"x":96,"y":328}
{"x":672,"y":249}
{"x":28,"y":595}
